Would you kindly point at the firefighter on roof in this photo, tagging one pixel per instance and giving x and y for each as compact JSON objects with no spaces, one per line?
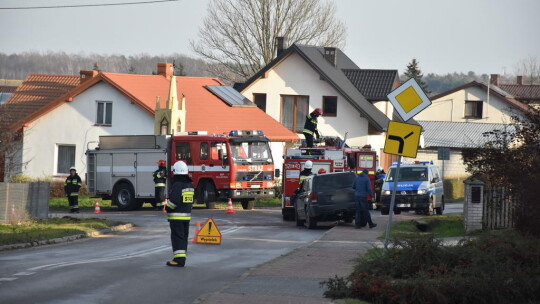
{"x":160,"y":181}
{"x":71,"y":186}
{"x":178,"y":209}
{"x":310,"y":127}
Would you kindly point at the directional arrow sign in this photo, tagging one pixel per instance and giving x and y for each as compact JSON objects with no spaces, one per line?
{"x":409,"y":99}
{"x":402,"y":139}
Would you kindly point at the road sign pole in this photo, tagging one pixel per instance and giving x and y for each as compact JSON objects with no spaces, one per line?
{"x":392,"y":203}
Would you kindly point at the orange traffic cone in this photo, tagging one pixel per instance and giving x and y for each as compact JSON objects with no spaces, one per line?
{"x":165,"y":205}
{"x":97,"y":209}
{"x":230,"y":209}
{"x":197,"y":230}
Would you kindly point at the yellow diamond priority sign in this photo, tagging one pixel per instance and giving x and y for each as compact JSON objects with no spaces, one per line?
{"x":409,"y":99}
{"x":402,"y":139}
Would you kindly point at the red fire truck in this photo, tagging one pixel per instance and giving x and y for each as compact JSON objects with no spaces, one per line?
{"x":331,"y":158}
{"x":238,"y":165}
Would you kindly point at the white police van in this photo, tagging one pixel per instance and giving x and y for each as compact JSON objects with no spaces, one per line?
{"x":419,"y":188}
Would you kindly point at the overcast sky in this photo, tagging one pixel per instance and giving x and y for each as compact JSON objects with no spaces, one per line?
{"x":484,"y":36}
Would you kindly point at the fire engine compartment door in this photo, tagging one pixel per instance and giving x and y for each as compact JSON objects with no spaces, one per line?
{"x":103,"y":172}
{"x":146,"y":164}
{"x":123,"y":167}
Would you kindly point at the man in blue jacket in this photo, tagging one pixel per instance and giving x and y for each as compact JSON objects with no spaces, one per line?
{"x":362,"y":187}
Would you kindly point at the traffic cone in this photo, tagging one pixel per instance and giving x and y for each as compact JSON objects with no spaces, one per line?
{"x":97,"y":209}
{"x":165,"y":205}
{"x":197,"y":230}
{"x":230,"y":209}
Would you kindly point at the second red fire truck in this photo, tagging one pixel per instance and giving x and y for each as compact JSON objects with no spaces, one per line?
{"x":332,"y":158}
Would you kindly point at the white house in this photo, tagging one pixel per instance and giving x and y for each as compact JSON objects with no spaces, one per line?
{"x":56,"y":133}
{"x":302,"y":78}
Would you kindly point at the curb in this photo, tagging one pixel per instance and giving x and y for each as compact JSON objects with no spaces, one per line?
{"x":69,"y":238}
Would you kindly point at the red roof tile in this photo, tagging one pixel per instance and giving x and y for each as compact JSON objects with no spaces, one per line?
{"x":36,"y":92}
{"x":524,"y":92}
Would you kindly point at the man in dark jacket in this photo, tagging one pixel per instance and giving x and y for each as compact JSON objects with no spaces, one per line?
{"x":178,"y":209}
{"x":71,"y":187}
{"x":362,"y":187}
{"x":160,"y":183}
{"x":310,"y":127}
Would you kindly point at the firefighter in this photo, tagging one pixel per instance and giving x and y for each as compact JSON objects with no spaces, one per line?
{"x":160,"y":181}
{"x":308,"y":166}
{"x":71,"y":187}
{"x":310,"y":127}
{"x":178,"y":209}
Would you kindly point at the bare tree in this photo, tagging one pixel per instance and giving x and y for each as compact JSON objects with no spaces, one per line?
{"x":530,"y":68}
{"x":239,"y":34}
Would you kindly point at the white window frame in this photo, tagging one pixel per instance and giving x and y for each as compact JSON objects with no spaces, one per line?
{"x":103,"y":120}
{"x":58,"y":155}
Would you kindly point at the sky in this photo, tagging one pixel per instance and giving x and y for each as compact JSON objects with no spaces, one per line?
{"x":484,"y":36}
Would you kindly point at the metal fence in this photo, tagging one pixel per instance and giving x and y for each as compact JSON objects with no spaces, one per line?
{"x":20,"y":201}
{"x":498,"y":211}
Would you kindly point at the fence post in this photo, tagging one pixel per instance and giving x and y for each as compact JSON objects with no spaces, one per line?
{"x":473,"y":208}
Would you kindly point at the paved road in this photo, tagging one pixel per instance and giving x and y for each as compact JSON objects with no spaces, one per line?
{"x":130,"y":267}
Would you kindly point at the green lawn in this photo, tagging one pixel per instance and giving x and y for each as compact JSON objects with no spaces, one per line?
{"x":38,"y":230}
{"x":439,"y":225}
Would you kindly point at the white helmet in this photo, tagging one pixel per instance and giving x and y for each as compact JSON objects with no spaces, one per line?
{"x":308,"y":165}
{"x":180,"y":168}
{"x":72,"y":168}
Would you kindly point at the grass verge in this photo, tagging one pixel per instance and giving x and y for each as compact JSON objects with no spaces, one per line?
{"x":440,"y":226}
{"x":39,"y":230}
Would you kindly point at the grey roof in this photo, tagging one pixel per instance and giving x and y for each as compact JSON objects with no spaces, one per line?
{"x":459,"y":134}
{"x":335,"y":76}
{"x":375,"y":85}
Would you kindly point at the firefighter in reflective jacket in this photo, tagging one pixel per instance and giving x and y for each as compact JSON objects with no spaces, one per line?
{"x":308,"y":166}
{"x":178,"y":209}
{"x":71,"y":186}
{"x":310,"y":127}
{"x":160,"y":182}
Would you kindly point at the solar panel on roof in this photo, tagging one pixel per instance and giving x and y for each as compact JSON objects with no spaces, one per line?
{"x":230,"y":95}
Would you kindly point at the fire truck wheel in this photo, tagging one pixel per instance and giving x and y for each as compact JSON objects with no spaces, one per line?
{"x":124,"y":197}
{"x":248,"y":204}
{"x":207,"y":194}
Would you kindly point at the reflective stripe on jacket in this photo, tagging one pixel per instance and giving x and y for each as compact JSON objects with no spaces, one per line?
{"x":310,"y":126}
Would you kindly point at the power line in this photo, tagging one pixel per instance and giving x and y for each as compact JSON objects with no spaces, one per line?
{"x":86,"y":5}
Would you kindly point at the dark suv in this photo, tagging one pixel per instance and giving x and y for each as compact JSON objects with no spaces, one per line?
{"x":326,"y":197}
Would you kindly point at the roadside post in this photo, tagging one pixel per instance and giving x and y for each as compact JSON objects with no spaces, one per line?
{"x":402,"y":139}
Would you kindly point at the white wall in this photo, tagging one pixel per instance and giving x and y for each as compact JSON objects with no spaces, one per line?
{"x":452,"y":108}
{"x":73,"y":123}
{"x":294,"y":76}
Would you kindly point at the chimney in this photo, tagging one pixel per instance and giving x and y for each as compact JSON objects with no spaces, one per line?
{"x":87,"y":75}
{"x":495,"y":79}
{"x":330,"y":54}
{"x":165,"y":69}
{"x":520,"y":80}
{"x":280,"y":45}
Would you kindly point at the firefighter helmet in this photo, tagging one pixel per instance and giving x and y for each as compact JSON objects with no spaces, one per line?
{"x":161,"y":163}
{"x":180,"y":168}
{"x":321,"y":171}
{"x":308,"y":165}
{"x":73,"y":168}
{"x":318,"y":111}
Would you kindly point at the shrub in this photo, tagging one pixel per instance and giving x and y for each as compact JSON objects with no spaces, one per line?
{"x":21,"y":178}
{"x":57,"y":189}
{"x":453,"y":188}
{"x":495,"y":268}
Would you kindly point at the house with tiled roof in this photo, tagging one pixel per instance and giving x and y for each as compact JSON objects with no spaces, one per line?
{"x":465,"y":117}
{"x":7,"y":87}
{"x":526,"y":93}
{"x":302,"y":78}
{"x":58,"y":132}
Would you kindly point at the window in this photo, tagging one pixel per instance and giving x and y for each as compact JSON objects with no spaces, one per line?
{"x":183,"y":152}
{"x":219,"y":151}
{"x":329,"y":106}
{"x":164,"y":126}
{"x":294,"y":110}
{"x":104,"y":113}
{"x":66,"y":158}
{"x":204,"y":151}
{"x":260,"y":101}
{"x":473,"y":108}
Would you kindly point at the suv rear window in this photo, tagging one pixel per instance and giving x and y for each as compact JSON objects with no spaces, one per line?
{"x":331,"y":182}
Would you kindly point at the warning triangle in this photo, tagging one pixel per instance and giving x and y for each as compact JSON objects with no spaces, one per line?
{"x":209,"y":233}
